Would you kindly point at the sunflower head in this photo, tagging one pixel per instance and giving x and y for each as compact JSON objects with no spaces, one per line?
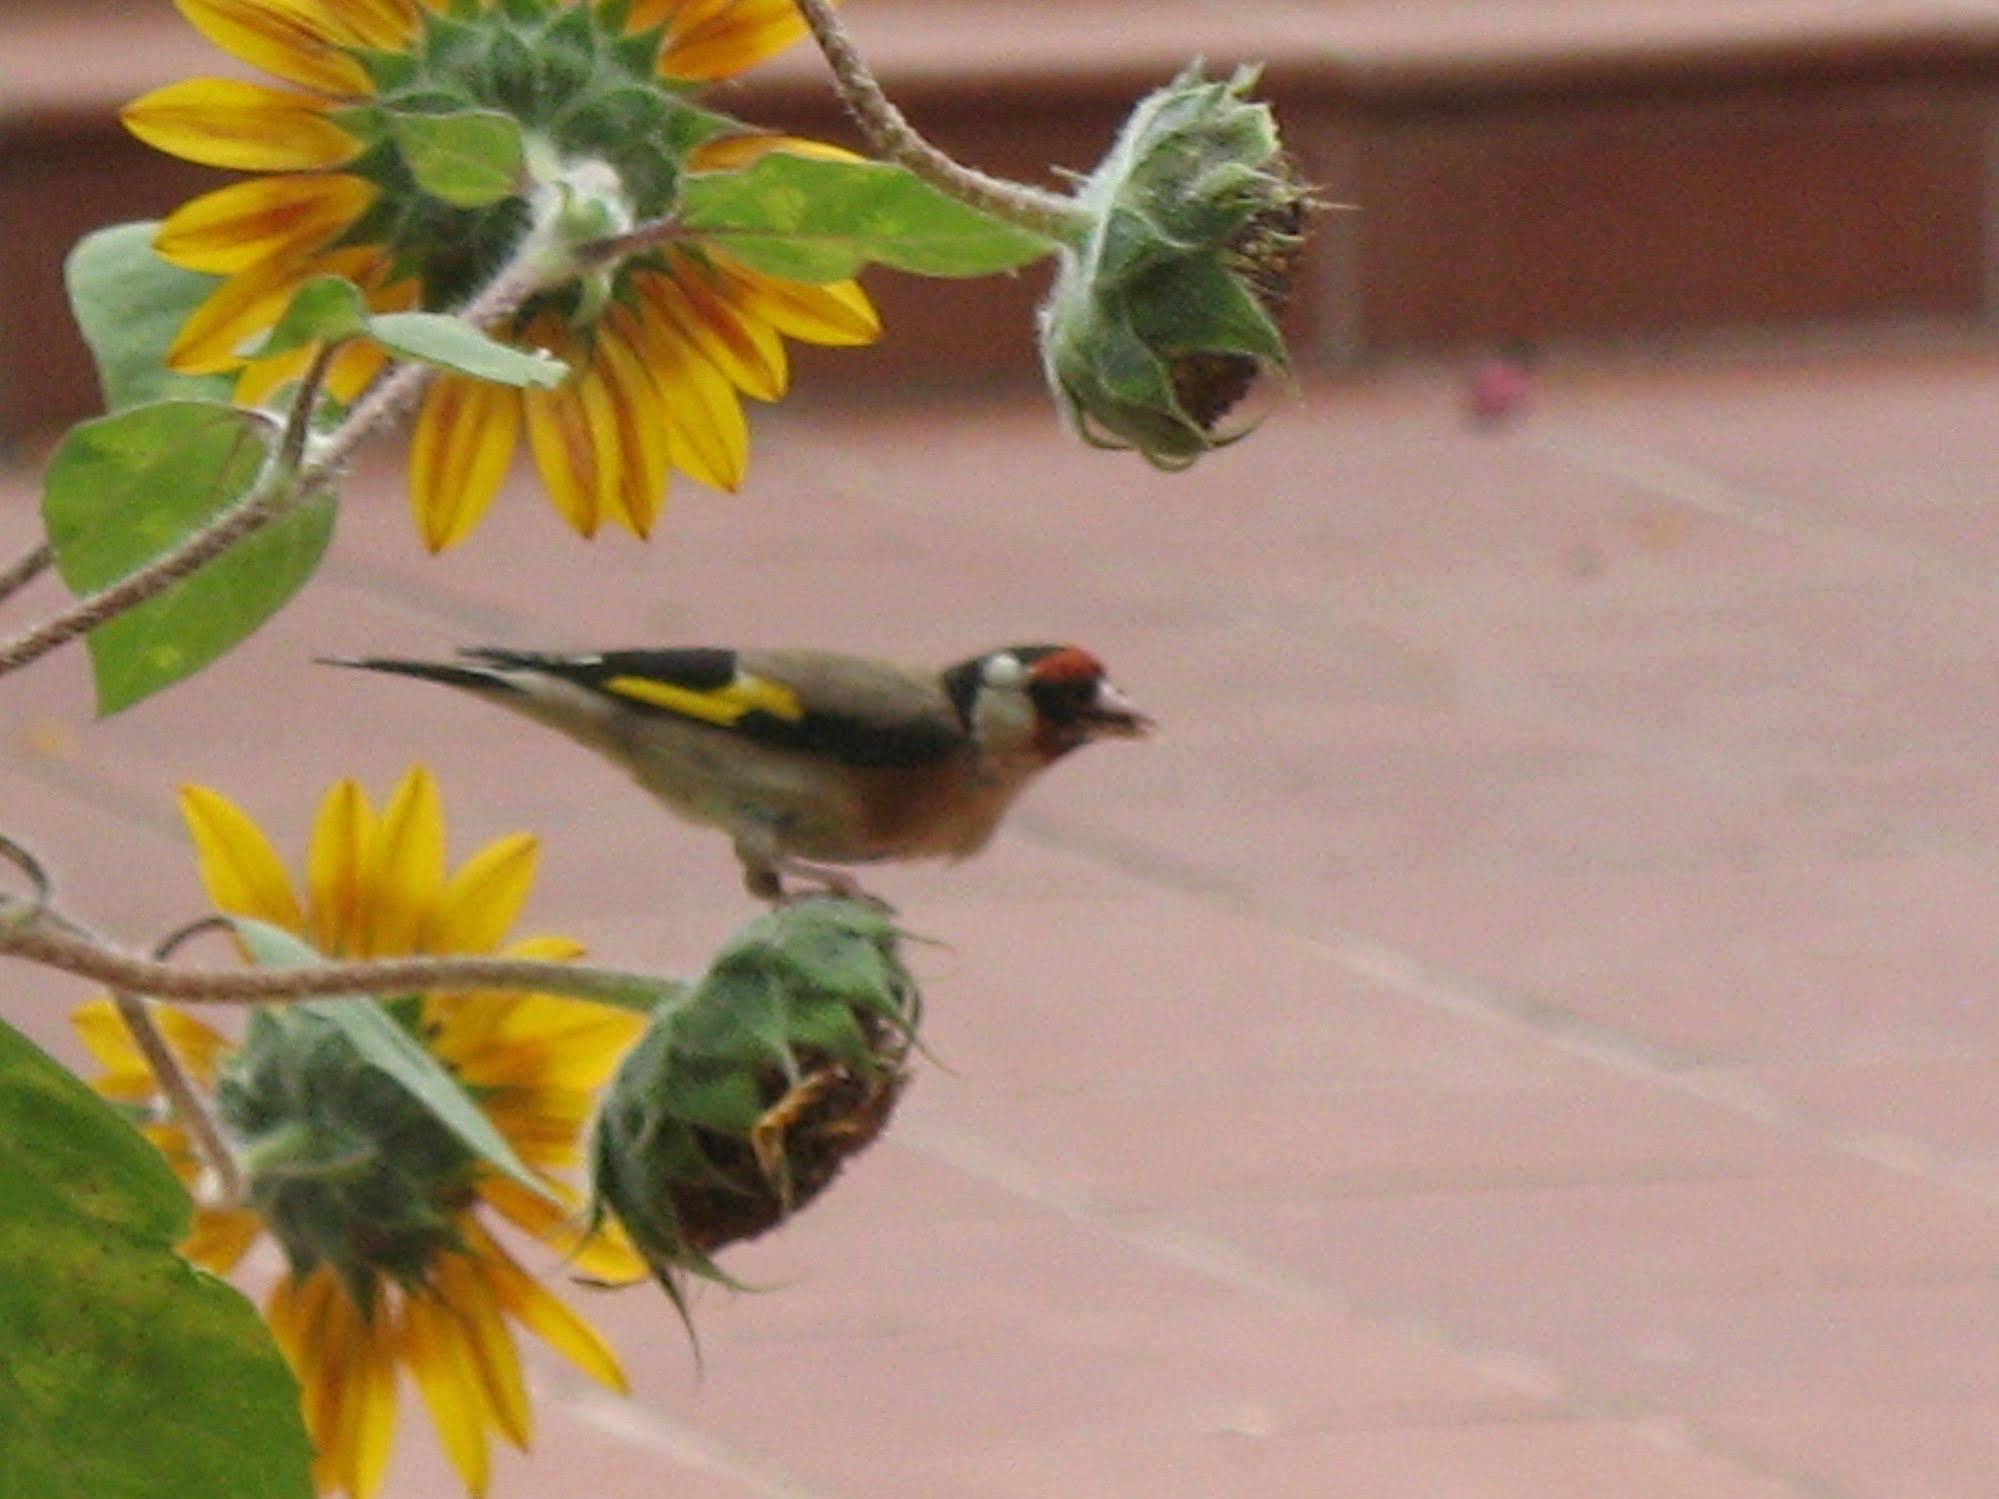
{"x":346,"y":1166}
{"x":597,"y":128}
{"x":741,"y":1102}
{"x":421,"y":147}
{"x":1162,"y":315}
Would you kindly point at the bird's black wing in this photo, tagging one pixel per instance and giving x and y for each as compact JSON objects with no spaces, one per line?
{"x":846,"y":708}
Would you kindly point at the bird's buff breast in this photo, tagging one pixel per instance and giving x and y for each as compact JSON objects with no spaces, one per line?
{"x":813,"y":809}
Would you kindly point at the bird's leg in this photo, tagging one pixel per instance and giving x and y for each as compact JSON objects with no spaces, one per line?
{"x":765,"y":868}
{"x":827,"y":881}
{"x":760,"y":859}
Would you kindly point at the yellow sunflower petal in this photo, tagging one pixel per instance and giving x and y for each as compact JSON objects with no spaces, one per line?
{"x":719,"y":41}
{"x":545,"y":1315}
{"x":466,"y":433}
{"x":370,"y":1413}
{"x":296,"y":40}
{"x":461,"y":1025}
{"x":746,"y":349}
{"x":298,"y":1313}
{"x":338,"y":859}
{"x":548,"y":1041}
{"x":462,"y":1288}
{"x":482,"y":901}
{"x":281,"y":1311}
{"x":238,"y":312}
{"x":246,"y":127}
{"x":351,"y":371}
{"x":405,"y":868}
{"x":239,"y":869}
{"x":383,"y":24}
{"x":672,"y":318}
{"x":447,"y":1379}
{"x":729,"y":153}
{"x":221,"y":1238}
{"x":458,"y":1025}
{"x":102,"y":1031}
{"x":603,"y":1254}
{"x":546,"y":948}
{"x":354,"y":368}
{"x":643,"y":458}
{"x":235,"y":227}
{"x":564,"y":452}
{"x":705,"y":430}
{"x":609,"y":462}
{"x":837,"y":314}
{"x":247,"y":304}
{"x":334,"y":1399}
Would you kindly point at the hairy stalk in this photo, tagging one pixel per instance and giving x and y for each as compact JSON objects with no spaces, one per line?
{"x":280,"y":490}
{"x":24,"y":572}
{"x":26,"y":936}
{"x":186,"y":1105}
{"x":888,"y":130}
{"x":305,"y":401}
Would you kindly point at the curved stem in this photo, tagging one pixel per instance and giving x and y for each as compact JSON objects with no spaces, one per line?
{"x":888,"y":130}
{"x":185,"y":1104}
{"x":25,"y":571}
{"x":280,"y":488}
{"x":61,"y":948}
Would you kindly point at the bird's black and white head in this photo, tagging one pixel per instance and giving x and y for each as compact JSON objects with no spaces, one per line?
{"x":1036,"y":703}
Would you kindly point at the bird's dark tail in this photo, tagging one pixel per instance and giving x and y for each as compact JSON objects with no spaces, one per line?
{"x":472,"y":678}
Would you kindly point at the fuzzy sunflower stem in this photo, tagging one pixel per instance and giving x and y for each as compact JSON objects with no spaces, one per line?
{"x":893,"y":138}
{"x":185,"y":1103}
{"x":280,"y":489}
{"x":24,"y":572}
{"x":26,"y":933}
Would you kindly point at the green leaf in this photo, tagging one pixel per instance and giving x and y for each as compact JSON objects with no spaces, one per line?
{"x":125,"y":1373}
{"x":811,"y":219}
{"x":324,"y":309}
{"x":125,"y":488}
{"x":394,"y":1052}
{"x":130,"y":304}
{"x":453,"y":344}
{"x":470,"y":158}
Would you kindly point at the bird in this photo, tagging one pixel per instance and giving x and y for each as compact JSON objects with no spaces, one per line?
{"x":811,"y":759}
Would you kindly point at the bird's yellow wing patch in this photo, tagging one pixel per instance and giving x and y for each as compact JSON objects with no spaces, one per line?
{"x":717,"y":705}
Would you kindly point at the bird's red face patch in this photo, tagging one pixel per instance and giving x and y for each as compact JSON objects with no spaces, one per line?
{"x":1069,"y":664}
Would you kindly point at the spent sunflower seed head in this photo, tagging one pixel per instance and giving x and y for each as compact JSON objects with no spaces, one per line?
{"x":1163,"y":312}
{"x":346,"y":1167}
{"x":742,"y":1100}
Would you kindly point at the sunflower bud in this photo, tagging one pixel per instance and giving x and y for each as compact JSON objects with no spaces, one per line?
{"x":742,"y":1101}
{"x":1162,"y":314}
{"x":345,"y":1166}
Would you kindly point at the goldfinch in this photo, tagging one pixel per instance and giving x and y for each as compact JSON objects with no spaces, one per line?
{"x":811,"y":758}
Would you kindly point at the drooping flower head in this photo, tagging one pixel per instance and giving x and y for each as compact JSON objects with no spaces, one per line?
{"x":386,"y":1219}
{"x":1162,"y":315}
{"x":661,"y":351}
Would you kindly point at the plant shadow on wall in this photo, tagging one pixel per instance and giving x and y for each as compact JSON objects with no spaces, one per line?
{"x":521,"y":226}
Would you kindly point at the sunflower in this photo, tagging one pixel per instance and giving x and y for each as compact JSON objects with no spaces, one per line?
{"x":441,"y":1305}
{"x":661,"y":357}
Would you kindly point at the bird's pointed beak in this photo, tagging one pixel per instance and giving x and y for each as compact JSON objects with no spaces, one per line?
{"x":1112,"y":715}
